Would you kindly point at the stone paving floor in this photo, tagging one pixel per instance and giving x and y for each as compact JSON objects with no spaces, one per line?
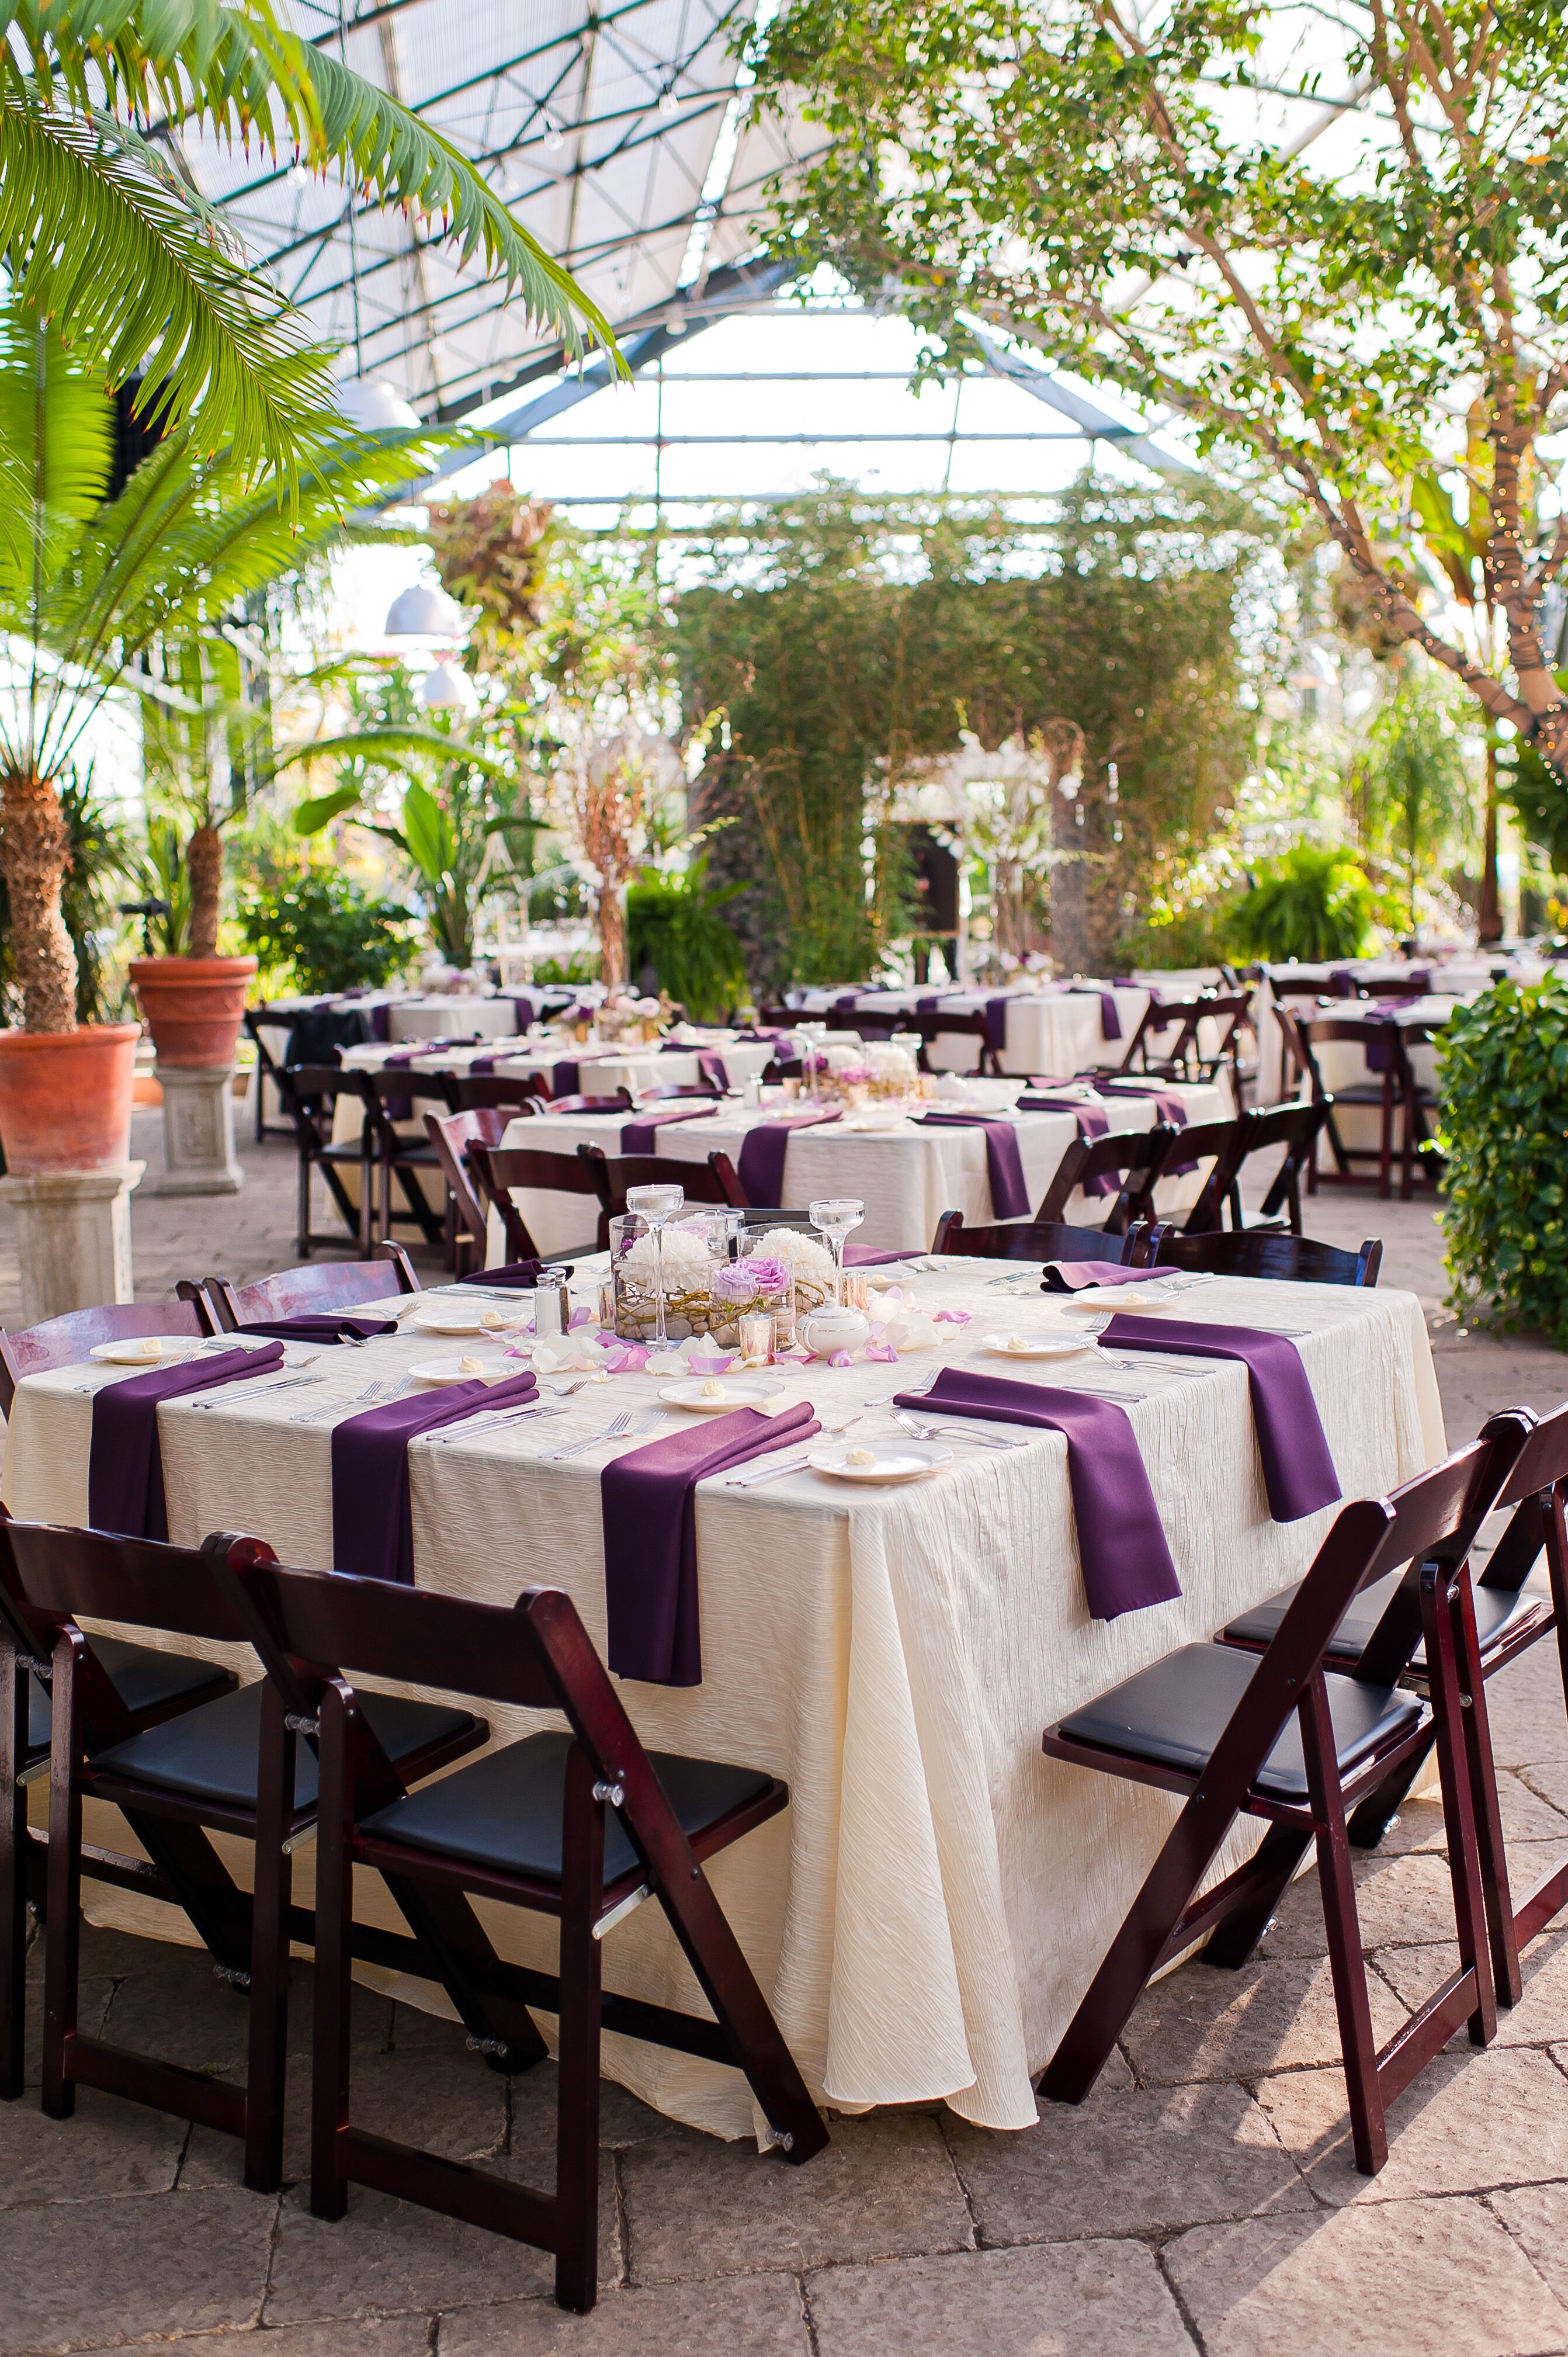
{"x":1202,"y":2200}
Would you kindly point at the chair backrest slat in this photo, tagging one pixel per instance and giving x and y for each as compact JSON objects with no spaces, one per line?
{"x":451,"y":1135}
{"x":74,"y":1575}
{"x":1291,"y":1260}
{"x":67,"y":1340}
{"x":614,"y":1173}
{"x":517,"y":1093}
{"x":1032,"y":1240}
{"x":1132,"y":1155}
{"x":620,"y":1101}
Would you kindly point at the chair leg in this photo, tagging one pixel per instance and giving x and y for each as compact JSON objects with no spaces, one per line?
{"x":13,"y":1872}
{"x":1459,"y":1816}
{"x":334,"y":1976}
{"x":1476,"y":1731}
{"x":62,"y":1948}
{"x":577,"y":2095}
{"x":1368,"y":2132}
{"x":302,"y":1239}
{"x":268,"y":2043}
{"x":1372,"y":1817}
{"x":1281,"y":1852}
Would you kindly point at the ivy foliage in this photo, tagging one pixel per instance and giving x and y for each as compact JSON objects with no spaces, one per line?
{"x":326,"y":932}
{"x":1504,"y":1075}
{"x":845,"y":636}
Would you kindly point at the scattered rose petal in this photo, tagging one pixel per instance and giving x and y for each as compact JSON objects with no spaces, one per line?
{"x":882,"y":1351}
{"x":582,"y":1316}
{"x":841,"y":1359}
{"x":707,"y":1366}
{"x":954,"y":1317}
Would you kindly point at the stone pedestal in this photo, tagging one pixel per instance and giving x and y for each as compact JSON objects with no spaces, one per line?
{"x":198,"y":1130}
{"x":73,"y":1238}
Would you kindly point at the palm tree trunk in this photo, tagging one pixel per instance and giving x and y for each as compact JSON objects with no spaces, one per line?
{"x":1490,"y":915}
{"x":33,"y":859}
{"x":204,"y":866}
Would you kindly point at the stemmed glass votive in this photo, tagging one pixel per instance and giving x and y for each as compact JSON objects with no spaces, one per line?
{"x":812,"y":1036}
{"x":657,"y":1205}
{"x":833,"y":1219}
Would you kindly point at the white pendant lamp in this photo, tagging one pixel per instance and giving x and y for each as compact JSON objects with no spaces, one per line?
{"x":425,"y":612}
{"x":373,"y":405}
{"x":445,"y":689}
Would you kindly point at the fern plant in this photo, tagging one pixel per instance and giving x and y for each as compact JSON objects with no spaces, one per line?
{"x":1313,"y":903}
{"x":676,"y":924}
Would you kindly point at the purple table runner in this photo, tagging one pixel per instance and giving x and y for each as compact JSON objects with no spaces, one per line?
{"x":1009,"y":1195}
{"x":521,"y":1275}
{"x":124,"y":1464}
{"x":1121,"y":1545}
{"x":1091,"y":1123}
{"x":761,"y":1166}
{"x":1298,"y":1471}
{"x":1168,"y":1107}
{"x":641,"y":1137}
{"x":650,"y":1537}
{"x":867,"y":1256}
{"x":372,"y":1523}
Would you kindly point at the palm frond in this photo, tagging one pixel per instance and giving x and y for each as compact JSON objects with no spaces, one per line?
{"x":56,"y":450}
{"x":242,"y":74}
{"x":109,"y":252}
{"x":382,"y":747}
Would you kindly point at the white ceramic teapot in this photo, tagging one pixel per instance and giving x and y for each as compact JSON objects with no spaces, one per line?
{"x":830,"y":1329}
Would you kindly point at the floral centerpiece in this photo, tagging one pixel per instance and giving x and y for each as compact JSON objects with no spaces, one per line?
{"x":689,"y":1268}
{"x":628,"y":1020}
{"x":859,"y":1075}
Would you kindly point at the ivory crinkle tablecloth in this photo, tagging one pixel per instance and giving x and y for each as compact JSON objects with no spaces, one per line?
{"x":929,"y":1911}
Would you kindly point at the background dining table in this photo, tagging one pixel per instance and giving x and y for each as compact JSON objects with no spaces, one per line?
{"x":926,"y":1914}
{"x":907,"y":1174}
{"x":1056,"y":1028}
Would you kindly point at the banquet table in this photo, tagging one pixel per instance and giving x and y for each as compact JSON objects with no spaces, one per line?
{"x":1055,"y":1029}
{"x":907,"y":1174}
{"x":926,"y":1914}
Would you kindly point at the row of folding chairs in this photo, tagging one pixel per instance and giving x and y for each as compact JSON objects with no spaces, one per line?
{"x":581,"y":1825}
{"x":1404,"y":1106}
{"x":1314,"y":1715}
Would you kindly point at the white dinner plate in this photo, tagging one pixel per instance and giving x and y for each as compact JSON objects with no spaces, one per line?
{"x":444,"y":1322}
{"x":893,"y":1460}
{"x":1037,"y":1346}
{"x":1137,"y":1299}
{"x":691,"y":1393}
{"x":130,"y":1350}
{"x":451,"y":1371}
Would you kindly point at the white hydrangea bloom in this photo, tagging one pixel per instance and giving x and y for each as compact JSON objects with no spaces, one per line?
{"x":688,"y":1264}
{"x":801,"y":1254}
{"x":882,"y":1056}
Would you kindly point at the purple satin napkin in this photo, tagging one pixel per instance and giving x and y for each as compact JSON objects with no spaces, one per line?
{"x":1009,"y":1195}
{"x":641,"y":1137}
{"x":712,"y":1066}
{"x":523,"y":1275}
{"x":124,"y":1464}
{"x":1073,"y":1276}
{"x":402,"y":1108}
{"x":522,"y":1008}
{"x":372,"y":1522}
{"x":1109,"y":1016}
{"x":1298,"y":1471}
{"x":867,"y":1256}
{"x":1091,"y":1123}
{"x":321,"y":1326}
{"x":1380,"y":1045}
{"x":564,"y":1080}
{"x":1120,"y":1543}
{"x":994,"y":1017}
{"x":650,"y":1537}
{"x":761,"y":1166}
{"x":381,"y":1021}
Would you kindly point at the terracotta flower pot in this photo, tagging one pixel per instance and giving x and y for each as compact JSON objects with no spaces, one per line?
{"x":65,"y":1098}
{"x":193,"y":1005}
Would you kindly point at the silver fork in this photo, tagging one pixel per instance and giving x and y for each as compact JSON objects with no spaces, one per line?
{"x":920,"y":1431}
{"x":770,"y":1472}
{"x":373,"y":1392}
{"x":491,"y":1420}
{"x":257,"y":1391}
{"x":923,"y":1384}
{"x":616,"y":1429}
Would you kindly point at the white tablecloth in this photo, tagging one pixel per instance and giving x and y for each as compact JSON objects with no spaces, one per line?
{"x":906,"y":1176}
{"x":1053,"y":1031}
{"x":926,"y":1917}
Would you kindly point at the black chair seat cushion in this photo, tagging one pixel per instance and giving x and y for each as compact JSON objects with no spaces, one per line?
{"x":1175,"y":1712}
{"x":1497,"y":1610}
{"x":144,"y":1679}
{"x":505,"y":1811}
{"x":211,"y":1753}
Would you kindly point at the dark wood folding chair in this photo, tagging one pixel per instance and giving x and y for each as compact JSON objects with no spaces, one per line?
{"x":451,"y":1135}
{"x":150,"y":1686}
{"x":1293,"y":1126}
{"x":1262,"y":1251}
{"x":267,"y":1068}
{"x":69,"y":1338}
{"x":309,"y":1095}
{"x":317,"y":1286}
{"x":1201,"y":1141}
{"x":708,"y":1089}
{"x":389,"y":1098}
{"x":1500,"y":1618}
{"x":1151,"y":1050}
{"x":1134,"y":1155}
{"x":519,"y":1093}
{"x":1384,"y":1091}
{"x":581,"y":1825}
{"x":953,"y":1023}
{"x":732,"y":1192}
{"x":232,"y":1766}
{"x":1278,"y":1735}
{"x":614,"y":1173}
{"x":499,"y":1168}
{"x":619,"y":1103}
{"x":1036,"y":1239}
